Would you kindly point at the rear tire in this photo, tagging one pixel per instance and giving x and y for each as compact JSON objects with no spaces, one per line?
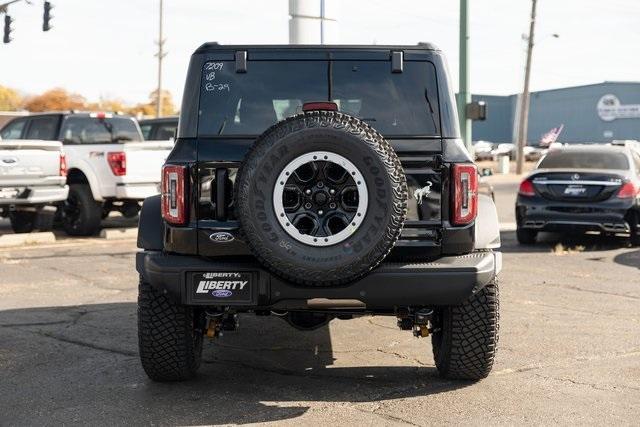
{"x":464,"y":345}
{"x":169,"y":339}
{"x":23,"y":221}
{"x":526,"y":236}
{"x":81,"y":213}
{"x":28,"y":221}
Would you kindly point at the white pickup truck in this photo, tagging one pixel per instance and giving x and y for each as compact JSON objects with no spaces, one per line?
{"x":110,"y":167}
{"x":32,"y":180}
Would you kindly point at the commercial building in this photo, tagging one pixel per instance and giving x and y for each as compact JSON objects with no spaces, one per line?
{"x":599,"y":112}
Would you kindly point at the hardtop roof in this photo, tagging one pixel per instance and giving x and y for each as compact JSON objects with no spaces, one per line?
{"x":215,"y":46}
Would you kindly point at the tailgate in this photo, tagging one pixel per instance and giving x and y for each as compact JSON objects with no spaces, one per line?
{"x":420,"y":161}
{"x":145,"y":160}
{"x":28,"y":162}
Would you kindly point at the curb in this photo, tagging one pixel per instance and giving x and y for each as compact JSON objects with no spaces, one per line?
{"x":118,"y":233}
{"x":26,"y":239}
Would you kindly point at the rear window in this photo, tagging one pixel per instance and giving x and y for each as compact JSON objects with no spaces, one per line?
{"x":165,"y":131}
{"x":13,"y":130}
{"x":146,"y":131}
{"x":396,"y":104}
{"x":584,"y":160}
{"x":90,"y":130}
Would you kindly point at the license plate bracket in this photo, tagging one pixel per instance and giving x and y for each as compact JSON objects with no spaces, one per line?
{"x":222,"y":288}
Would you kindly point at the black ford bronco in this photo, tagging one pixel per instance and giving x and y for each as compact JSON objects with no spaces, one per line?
{"x":313,"y":183}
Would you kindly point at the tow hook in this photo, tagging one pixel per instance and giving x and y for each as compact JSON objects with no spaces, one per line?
{"x":421,"y":321}
{"x":213,"y":327}
{"x":219,"y":322}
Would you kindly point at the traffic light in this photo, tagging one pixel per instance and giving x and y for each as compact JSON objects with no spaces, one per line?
{"x":7,"y":29}
{"x":46,"y":19}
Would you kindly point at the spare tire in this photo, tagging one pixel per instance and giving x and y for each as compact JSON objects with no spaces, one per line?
{"x":321,"y":198}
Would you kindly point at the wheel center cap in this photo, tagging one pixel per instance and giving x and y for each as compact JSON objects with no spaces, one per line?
{"x":320,"y":198}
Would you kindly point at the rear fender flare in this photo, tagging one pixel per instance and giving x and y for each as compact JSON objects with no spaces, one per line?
{"x":86,"y":170}
{"x":487,"y":227}
{"x":151,"y":225}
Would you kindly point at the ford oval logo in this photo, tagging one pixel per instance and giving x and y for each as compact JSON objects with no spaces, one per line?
{"x":222,"y":293}
{"x":10,"y":160}
{"x":221,"y":237}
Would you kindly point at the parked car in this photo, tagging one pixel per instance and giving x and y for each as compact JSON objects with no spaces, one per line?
{"x":581,"y":188}
{"x":534,"y":153}
{"x":109,"y":165}
{"x":315,"y":159}
{"x":505,"y":149}
{"x":482,"y":150}
{"x":161,"y":129}
{"x":32,"y":180}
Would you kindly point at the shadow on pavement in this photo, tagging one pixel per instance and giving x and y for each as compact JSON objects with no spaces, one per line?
{"x":80,"y":363}
{"x":559,"y":243}
{"x":630,"y":259}
{"x":112,"y":221}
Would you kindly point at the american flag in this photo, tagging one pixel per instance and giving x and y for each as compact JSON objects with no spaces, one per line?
{"x":551,"y":136}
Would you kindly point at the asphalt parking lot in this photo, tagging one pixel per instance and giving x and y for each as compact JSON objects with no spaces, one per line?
{"x":569,"y":349}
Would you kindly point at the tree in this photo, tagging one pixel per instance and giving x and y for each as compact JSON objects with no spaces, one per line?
{"x":115,"y":105}
{"x":149,"y":108}
{"x":10,"y":100}
{"x":55,"y":100}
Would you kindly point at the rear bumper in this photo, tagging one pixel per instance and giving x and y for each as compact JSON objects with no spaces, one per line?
{"x":136,"y":191}
{"x":447,"y":281}
{"x":560,"y":226}
{"x":608,"y":216}
{"x":28,"y":196}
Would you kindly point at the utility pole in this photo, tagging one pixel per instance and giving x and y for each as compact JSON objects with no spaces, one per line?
{"x":524,"y":101}
{"x":464,"y":96}
{"x":160,"y":55}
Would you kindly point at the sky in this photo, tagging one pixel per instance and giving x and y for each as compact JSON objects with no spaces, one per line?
{"x":106,"y":48}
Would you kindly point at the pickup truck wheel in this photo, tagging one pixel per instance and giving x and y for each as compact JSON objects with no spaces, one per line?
{"x":23,"y":221}
{"x":466,"y":336}
{"x":169,"y":340}
{"x":81,"y":213}
{"x":526,"y":236}
{"x":321,"y":198}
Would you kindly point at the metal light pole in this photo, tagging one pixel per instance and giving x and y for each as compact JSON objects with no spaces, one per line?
{"x":160,"y":55}
{"x":464,"y":96}
{"x":524,"y":105}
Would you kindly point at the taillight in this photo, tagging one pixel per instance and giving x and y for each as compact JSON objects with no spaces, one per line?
{"x":321,"y":105}
{"x":173,"y":192}
{"x":465,"y":193}
{"x":63,"y":165}
{"x":628,"y":191}
{"x":117,"y":162}
{"x":526,"y":188}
